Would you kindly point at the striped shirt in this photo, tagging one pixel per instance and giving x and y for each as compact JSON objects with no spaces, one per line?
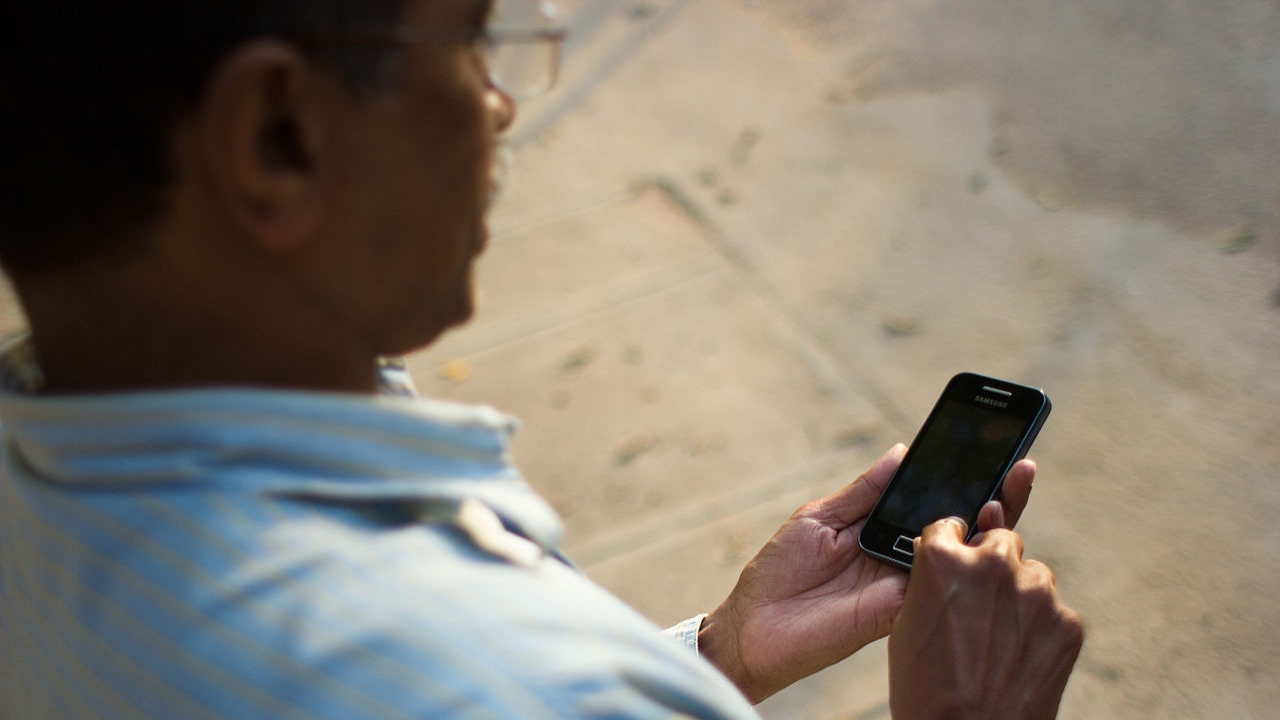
{"x":249,"y":554}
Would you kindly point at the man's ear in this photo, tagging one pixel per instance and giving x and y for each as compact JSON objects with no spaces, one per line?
{"x":261,"y":141}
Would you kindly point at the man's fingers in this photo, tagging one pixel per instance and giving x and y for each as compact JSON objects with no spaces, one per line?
{"x":1036,"y":572}
{"x":951,"y":531}
{"x":947,"y":531}
{"x":989,"y":518}
{"x":1016,"y":491}
{"x":855,"y":500}
{"x":878,"y":475}
{"x":1005,"y":542}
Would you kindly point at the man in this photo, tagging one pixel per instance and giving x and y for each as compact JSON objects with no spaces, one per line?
{"x":218,"y":217}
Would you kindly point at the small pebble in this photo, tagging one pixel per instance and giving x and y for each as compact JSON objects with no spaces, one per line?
{"x":634,"y":448}
{"x":579,"y":358}
{"x":744,"y":145}
{"x":641,"y":11}
{"x":901,"y":325}
{"x":853,"y":437}
{"x":1237,"y":239}
{"x":456,"y":370}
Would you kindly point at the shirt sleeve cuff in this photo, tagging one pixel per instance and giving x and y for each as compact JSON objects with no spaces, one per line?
{"x":687,"y":632}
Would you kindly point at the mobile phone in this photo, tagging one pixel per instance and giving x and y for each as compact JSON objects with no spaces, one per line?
{"x":978,"y":429}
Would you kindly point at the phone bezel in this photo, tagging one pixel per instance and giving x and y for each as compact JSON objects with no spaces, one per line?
{"x":877,"y":537}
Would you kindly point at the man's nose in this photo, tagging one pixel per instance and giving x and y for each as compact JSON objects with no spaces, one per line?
{"x":503,"y":108}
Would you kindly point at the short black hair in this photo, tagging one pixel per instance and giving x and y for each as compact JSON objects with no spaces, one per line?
{"x":90,"y":92}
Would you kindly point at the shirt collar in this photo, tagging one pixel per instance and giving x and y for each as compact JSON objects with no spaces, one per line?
{"x":341,"y":447}
{"x":19,"y":370}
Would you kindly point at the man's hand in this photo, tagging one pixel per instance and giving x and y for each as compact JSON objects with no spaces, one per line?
{"x":810,"y":597}
{"x":982,"y":634}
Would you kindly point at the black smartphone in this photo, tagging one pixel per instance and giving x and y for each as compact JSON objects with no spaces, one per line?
{"x":978,"y":429}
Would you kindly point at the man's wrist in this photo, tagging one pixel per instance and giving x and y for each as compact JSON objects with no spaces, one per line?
{"x":718,"y":643}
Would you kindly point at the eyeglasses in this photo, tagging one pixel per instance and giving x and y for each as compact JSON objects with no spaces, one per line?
{"x":522,"y":47}
{"x":520,"y":43}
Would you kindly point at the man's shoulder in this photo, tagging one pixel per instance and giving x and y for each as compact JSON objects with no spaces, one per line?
{"x":417,"y":611}
{"x":340,"y":610}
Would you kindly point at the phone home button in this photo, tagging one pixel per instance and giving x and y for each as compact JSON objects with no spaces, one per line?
{"x":905,"y":545}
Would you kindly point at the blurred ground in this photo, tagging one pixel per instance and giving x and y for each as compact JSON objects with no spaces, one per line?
{"x":748,"y":242}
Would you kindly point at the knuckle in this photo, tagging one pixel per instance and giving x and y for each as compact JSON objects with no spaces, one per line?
{"x":1036,"y":586}
{"x":993,"y":562}
{"x":940,"y":560}
{"x":1006,"y":541}
{"x":810,"y":509}
{"x":1039,"y":573}
{"x":998,"y":557}
{"x":1072,"y":627}
{"x":1041,"y":596}
{"x":932,"y":545}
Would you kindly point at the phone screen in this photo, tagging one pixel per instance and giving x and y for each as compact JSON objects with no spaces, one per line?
{"x":953,"y":465}
{"x":978,"y":428}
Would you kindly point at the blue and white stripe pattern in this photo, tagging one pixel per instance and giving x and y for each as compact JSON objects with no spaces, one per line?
{"x":249,"y":554}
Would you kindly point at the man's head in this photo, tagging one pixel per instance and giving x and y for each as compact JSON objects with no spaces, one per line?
{"x":338,"y":149}
{"x":93,"y":90}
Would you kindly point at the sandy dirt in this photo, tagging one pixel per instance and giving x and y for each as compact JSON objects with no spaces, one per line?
{"x":763,"y":234}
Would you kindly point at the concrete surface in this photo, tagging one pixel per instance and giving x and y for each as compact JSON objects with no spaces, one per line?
{"x":747,"y":242}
